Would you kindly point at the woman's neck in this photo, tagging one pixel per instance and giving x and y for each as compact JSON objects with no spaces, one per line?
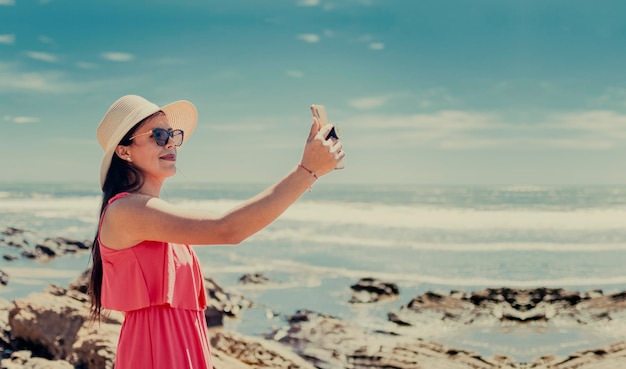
{"x":151,"y":188}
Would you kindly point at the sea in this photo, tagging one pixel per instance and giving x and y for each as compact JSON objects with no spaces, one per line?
{"x":422,"y":238}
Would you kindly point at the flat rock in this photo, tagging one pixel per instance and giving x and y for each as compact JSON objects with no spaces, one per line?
{"x":328,"y":342}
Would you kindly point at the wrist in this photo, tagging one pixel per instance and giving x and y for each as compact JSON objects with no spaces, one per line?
{"x":306,"y":169}
{"x":308,"y":172}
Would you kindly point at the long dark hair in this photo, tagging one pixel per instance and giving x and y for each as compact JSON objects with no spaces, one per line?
{"x":121,"y":177}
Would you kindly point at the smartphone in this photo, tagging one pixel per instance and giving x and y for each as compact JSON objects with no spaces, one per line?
{"x":319,"y":112}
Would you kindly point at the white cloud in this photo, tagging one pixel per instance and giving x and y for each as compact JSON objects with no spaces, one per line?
{"x":464,"y":130}
{"x":439,"y":130}
{"x":576,"y":143}
{"x":237,"y":128}
{"x":309,"y":37}
{"x":86,"y":65}
{"x":366,"y":103}
{"x":528,"y":143}
{"x":434,"y":97}
{"x":45,"y":39}
{"x":117,"y":56}
{"x":445,"y":120}
{"x":31,"y":81}
{"x":14,"y":80}
{"x":612,"y":96}
{"x":501,"y":86}
{"x":38,"y":55}
{"x":295,"y":74}
{"x":377,"y":46}
{"x":441,"y":121}
{"x":463,"y":143}
{"x":547,"y":86}
{"x":74,"y":141}
{"x":365,"y":38}
{"x":23,"y":120}
{"x":8,"y":39}
{"x":596,"y":123}
{"x":7,"y":2}
{"x":373,"y":44}
{"x":309,"y":3}
{"x":437,"y":96}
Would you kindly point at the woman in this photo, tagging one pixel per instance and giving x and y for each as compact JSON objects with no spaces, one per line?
{"x":142,"y":262}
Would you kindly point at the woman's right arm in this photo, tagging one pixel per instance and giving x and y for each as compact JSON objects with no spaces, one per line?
{"x":135,"y":218}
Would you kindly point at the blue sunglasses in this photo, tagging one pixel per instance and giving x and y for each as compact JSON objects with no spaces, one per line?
{"x":161,"y":136}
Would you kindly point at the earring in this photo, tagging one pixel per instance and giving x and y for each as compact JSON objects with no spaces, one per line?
{"x":128,"y":159}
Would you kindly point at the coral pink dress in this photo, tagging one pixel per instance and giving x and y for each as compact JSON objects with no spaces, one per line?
{"x":160,"y":288}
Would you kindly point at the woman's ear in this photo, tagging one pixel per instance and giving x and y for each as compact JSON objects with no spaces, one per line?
{"x":122,"y":152}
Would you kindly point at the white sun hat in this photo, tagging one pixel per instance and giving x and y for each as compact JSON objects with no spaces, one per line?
{"x":129,"y":110}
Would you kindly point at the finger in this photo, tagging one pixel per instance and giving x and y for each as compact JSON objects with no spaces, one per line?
{"x":324,"y":131}
{"x":315,"y":127}
{"x":336,"y":147}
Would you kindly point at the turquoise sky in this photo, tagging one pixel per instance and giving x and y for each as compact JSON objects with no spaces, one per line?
{"x":425,"y":92}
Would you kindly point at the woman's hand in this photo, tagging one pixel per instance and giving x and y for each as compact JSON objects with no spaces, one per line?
{"x":321,"y":155}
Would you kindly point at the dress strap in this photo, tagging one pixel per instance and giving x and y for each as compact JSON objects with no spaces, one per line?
{"x":119,"y":195}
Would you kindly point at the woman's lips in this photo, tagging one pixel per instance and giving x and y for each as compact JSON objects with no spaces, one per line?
{"x":170,"y":157}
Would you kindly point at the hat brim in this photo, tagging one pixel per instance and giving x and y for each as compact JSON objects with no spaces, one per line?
{"x":180,"y":115}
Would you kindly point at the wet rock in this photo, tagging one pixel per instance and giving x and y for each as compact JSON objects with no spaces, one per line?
{"x":256,"y":278}
{"x":9,"y":257}
{"x":24,"y":360}
{"x":4,"y":278}
{"x":220,"y":303}
{"x":16,"y":242}
{"x":43,"y":249}
{"x":57,"y":246}
{"x":501,"y":304}
{"x":15,"y":237}
{"x":81,"y":283}
{"x":368,"y":290}
{"x":5,"y":330}
{"x":28,"y":254}
{"x":433,"y":306}
{"x":11,"y":231}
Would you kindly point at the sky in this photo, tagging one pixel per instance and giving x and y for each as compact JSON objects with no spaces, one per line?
{"x":450,"y":92}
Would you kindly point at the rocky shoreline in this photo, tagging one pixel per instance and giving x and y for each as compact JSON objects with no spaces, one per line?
{"x":50,"y":329}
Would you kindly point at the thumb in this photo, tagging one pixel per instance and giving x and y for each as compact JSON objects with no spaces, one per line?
{"x":315,"y":127}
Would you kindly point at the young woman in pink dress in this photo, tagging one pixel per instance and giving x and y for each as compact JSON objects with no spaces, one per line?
{"x":142,"y":262}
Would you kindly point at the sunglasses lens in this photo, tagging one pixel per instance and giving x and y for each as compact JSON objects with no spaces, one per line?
{"x":161,"y":136}
{"x":177,"y":137}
